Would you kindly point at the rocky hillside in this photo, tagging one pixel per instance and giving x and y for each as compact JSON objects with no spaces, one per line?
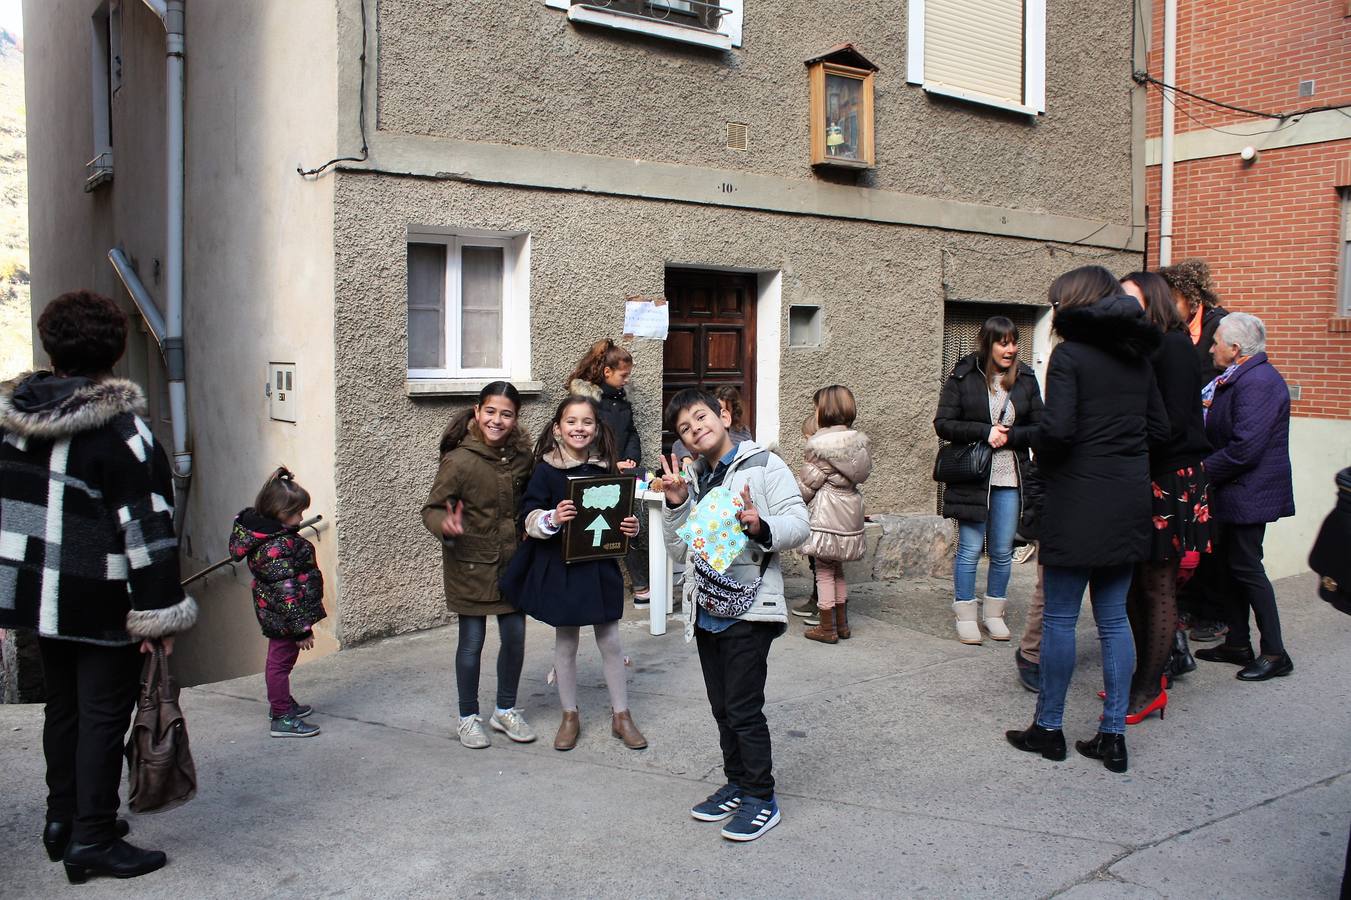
{"x":16,"y":352}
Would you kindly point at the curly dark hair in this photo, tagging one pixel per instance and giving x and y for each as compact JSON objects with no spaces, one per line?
{"x":84,"y":333}
{"x":1192,"y":279}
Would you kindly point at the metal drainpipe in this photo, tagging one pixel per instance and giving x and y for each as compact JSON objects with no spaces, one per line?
{"x":1166,"y":140}
{"x":170,"y":13}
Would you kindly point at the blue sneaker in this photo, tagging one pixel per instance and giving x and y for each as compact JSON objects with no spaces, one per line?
{"x":752,"y":819}
{"x":721,"y":803}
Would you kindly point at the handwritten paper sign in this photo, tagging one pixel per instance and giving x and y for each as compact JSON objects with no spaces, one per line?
{"x":602,"y":503}
{"x":646,"y":317}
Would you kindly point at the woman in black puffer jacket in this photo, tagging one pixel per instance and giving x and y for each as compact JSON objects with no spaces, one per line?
{"x":992,"y":397}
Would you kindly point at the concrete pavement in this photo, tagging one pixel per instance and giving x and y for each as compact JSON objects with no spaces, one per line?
{"x":894,"y":778}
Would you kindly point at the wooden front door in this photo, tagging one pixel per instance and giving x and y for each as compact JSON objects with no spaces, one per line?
{"x":712,"y":337}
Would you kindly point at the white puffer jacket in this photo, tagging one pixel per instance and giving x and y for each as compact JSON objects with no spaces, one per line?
{"x":775,"y":493}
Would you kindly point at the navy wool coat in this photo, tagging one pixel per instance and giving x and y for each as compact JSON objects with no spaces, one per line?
{"x":1249,"y":427}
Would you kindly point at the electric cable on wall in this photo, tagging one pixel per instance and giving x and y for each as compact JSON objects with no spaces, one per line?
{"x":361,"y":116}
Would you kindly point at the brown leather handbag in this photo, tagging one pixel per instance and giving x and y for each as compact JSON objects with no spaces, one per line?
{"x":160,"y":772}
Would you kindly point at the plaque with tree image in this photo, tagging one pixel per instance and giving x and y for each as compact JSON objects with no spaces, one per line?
{"x":602,"y":502}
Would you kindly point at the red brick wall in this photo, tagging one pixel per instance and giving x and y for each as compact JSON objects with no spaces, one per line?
{"x":1270,"y":230}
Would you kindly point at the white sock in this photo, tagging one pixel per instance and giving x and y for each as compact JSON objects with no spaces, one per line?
{"x":464,"y":719}
{"x":502,"y":712}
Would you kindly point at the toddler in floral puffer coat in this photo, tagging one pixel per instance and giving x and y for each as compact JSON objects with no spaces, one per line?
{"x":288,"y":591}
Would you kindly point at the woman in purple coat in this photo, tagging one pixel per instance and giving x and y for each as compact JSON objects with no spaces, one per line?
{"x":1249,"y":427}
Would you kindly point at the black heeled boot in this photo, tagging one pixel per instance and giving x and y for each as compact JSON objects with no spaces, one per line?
{"x":56,"y":837}
{"x":116,"y":859}
{"x":1110,"y":748}
{"x":1181,"y":661}
{"x":1049,"y":742}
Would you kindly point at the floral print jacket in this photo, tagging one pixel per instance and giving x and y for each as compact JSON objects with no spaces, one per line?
{"x":288,"y":588}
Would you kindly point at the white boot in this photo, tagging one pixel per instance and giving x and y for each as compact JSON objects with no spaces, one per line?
{"x":993,"y":616}
{"x":968,"y":630}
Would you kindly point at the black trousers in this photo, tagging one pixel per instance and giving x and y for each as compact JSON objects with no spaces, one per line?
{"x":735,"y":663}
{"x":1249,"y":588}
{"x":91,"y":691}
{"x":469,"y":656}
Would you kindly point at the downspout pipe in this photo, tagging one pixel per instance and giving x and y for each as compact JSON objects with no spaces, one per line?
{"x":1166,"y":140}
{"x":170,"y":13}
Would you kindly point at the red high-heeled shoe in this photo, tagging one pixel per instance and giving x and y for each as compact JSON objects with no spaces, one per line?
{"x":1159,"y":703}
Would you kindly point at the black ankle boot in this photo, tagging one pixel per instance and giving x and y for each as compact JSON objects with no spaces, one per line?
{"x":56,"y":837}
{"x":1049,"y":742}
{"x":1110,"y":748}
{"x":116,"y":859}
{"x":1181,"y":661}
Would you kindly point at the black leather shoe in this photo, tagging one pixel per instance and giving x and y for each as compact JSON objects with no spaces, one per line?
{"x":1265,"y":667}
{"x":1110,"y":748}
{"x":1049,"y":742}
{"x":1236,"y":656}
{"x":56,"y":837}
{"x":116,"y":859}
{"x":1180,"y":660}
{"x":1029,"y":673}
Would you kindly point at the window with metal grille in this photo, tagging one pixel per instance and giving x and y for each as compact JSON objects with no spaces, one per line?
{"x":991,"y":52}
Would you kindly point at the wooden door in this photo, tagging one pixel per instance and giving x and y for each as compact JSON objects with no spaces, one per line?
{"x":712,"y":337}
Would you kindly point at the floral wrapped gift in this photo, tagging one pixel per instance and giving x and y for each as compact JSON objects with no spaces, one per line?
{"x":712,"y":530}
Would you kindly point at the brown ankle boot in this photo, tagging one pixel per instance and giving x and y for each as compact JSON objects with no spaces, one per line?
{"x":825,"y":632}
{"x":568,"y":729}
{"x":622,"y":727}
{"x":842,"y":621}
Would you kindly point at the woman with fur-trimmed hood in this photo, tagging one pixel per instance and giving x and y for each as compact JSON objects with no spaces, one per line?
{"x":835,"y":462}
{"x":89,"y":559}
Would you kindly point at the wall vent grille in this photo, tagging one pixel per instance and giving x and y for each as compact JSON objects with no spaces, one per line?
{"x":737,"y":136}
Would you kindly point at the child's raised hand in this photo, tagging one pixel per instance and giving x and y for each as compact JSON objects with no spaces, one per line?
{"x":453,"y":524}
{"x":673,"y":485}
{"x":629,"y":526}
{"x":307,"y":642}
{"x":566,"y":511}
{"x":749,"y":517}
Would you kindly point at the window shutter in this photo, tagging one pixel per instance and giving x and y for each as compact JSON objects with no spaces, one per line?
{"x":975,"y":46}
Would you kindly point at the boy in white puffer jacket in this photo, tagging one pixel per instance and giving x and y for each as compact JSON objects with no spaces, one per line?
{"x":734,"y":652}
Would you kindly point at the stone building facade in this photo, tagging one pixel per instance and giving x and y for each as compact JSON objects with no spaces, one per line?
{"x":569,"y":155}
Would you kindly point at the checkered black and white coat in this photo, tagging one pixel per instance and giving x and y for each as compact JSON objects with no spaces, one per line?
{"x":87,"y":545}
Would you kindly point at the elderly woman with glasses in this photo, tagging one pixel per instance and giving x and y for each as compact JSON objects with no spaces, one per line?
{"x":1249,"y":426}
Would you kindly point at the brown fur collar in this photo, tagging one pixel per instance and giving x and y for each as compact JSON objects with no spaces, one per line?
{"x":86,"y":409}
{"x":583,"y":388}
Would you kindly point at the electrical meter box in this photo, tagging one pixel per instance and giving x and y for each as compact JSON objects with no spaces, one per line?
{"x":281,"y":391}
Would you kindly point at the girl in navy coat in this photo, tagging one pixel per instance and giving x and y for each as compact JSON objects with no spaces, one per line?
{"x":575,"y":444}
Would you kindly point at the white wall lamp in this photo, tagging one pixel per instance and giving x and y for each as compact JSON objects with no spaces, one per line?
{"x":1248,"y":155}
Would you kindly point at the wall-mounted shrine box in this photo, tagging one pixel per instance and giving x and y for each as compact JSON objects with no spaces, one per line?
{"x":841,"y":82}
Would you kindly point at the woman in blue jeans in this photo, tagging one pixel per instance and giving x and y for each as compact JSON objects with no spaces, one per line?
{"x":990,"y":397}
{"x":1103,"y":412}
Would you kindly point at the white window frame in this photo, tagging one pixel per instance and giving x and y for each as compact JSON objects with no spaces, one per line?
{"x":1034,"y":61}
{"x":105,"y":70}
{"x":515,"y":308}
{"x":726,"y":37}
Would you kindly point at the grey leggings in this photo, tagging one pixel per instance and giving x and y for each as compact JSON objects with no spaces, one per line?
{"x":567,"y":638}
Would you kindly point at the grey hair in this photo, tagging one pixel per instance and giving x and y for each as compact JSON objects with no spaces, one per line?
{"x":1245,"y":330}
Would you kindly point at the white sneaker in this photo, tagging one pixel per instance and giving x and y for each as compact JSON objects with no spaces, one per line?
{"x":513,"y":724}
{"x":472,"y":734}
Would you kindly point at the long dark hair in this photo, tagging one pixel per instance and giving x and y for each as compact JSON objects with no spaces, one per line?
{"x":603,"y":446}
{"x":996,"y":329}
{"x":1159,"y":306}
{"x":1083,"y":286}
{"x":458,"y":426}
{"x":281,"y":496}
{"x":604,"y":354}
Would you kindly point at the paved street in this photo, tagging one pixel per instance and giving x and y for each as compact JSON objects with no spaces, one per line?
{"x":894,"y":779}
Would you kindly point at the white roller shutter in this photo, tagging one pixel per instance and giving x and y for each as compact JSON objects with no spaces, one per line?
{"x":975,"y":46}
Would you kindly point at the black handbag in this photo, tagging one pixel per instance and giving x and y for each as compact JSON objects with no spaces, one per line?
{"x":960,"y":463}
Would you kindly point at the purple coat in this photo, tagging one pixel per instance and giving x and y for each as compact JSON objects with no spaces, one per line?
{"x":1249,"y":427}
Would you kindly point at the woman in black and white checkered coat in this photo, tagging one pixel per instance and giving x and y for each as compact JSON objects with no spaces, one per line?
{"x":88,"y":558}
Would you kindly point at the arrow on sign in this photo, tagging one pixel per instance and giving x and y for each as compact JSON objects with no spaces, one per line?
{"x":598,"y":526}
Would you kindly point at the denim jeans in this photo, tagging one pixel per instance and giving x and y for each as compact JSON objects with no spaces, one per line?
{"x":1002,"y":525}
{"x":1064,"y":596}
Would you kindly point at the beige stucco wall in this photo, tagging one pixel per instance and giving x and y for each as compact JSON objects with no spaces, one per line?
{"x":1319,"y":449}
{"x":519,"y":73}
{"x":881,"y":288}
{"x":261,"y":99}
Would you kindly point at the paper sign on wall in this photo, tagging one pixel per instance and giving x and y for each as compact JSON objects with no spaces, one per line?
{"x":646,"y":317}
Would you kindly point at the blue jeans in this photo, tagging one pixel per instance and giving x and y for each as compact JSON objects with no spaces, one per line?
{"x":1064,"y":596}
{"x":1002,"y":525}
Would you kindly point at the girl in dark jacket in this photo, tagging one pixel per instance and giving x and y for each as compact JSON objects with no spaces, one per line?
{"x":1103,"y":412}
{"x":575,"y":444}
{"x":288,"y":591}
{"x":992,"y":397}
{"x":603,"y":375}
{"x":1181,"y":498}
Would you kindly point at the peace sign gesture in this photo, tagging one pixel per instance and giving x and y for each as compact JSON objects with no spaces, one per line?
{"x":453,"y":524}
{"x":749,"y":517}
{"x":673,"y":483}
